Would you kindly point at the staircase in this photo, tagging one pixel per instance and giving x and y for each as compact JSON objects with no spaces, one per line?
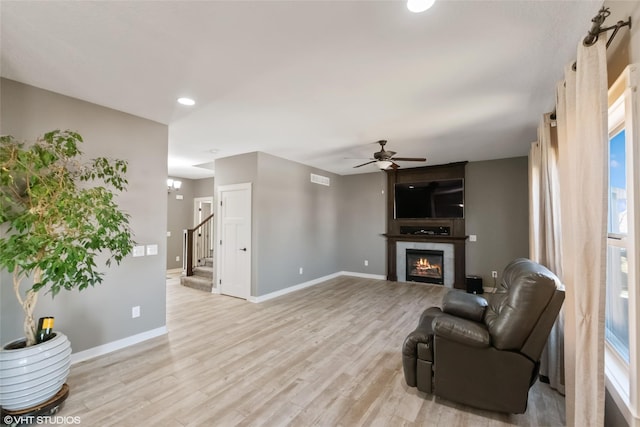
{"x":202,"y":278}
{"x":197,"y":251}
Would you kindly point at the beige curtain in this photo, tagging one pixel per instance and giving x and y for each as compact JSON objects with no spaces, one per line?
{"x":582,"y":163}
{"x":545,"y":235}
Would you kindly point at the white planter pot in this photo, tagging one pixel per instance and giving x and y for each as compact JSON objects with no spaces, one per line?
{"x":32,"y":375}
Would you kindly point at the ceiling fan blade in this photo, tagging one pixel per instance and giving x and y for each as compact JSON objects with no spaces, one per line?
{"x":368,"y":163}
{"x":410,"y":159}
{"x":394,"y":166}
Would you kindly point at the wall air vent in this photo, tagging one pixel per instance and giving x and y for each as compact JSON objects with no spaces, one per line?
{"x":319,"y":179}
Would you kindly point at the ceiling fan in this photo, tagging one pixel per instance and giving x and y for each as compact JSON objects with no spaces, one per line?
{"x":385,"y":159}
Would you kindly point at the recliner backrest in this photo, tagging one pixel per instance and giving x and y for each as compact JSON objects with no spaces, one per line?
{"x":526,"y":290}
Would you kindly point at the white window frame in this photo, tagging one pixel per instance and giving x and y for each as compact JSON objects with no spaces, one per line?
{"x":623,"y":379}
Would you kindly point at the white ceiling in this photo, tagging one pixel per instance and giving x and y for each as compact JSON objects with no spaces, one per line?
{"x":310,"y":81}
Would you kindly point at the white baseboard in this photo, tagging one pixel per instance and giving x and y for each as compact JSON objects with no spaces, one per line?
{"x":174,"y":270}
{"x":363,"y":275}
{"x":313,"y":282}
{"x":293,"y":288}
{"x":100,"y":350}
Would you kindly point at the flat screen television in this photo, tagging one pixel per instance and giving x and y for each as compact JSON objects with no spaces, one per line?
{"x":433,"y":199}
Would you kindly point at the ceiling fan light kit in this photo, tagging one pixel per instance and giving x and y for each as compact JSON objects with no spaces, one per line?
{"x":417,"y":6}
{"x":384,"y":164}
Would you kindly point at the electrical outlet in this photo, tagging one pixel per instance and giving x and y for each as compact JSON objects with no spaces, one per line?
{"x":301,"y":270}
{"x":135,"y":311}
{"x":177,"y":258}
{"x":494,"y":274}
{"x":366,"y":262}
{"x":473,"y":238}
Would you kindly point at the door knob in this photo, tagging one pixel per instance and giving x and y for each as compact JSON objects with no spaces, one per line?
{"x":243,"y":249}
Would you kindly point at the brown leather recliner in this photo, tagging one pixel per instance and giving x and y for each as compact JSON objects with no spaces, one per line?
{"x":485,"y":351}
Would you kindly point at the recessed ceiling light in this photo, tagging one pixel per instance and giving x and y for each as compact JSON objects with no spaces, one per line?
{"x":417,"y":6}
{"x":186,"y":101}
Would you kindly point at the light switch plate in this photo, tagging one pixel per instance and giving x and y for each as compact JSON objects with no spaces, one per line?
{"x":152,"y":249}
{"x":138,"y":251}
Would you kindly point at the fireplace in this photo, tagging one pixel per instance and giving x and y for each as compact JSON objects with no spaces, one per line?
{"x":425,"y":265}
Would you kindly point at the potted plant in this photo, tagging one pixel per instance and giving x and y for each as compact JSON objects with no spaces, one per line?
{"x":58,"y":213}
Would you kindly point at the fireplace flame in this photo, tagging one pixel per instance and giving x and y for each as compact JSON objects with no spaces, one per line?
{"x":423,"y":267}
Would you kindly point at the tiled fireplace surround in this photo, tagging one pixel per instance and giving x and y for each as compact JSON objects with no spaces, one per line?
{"x":448,"y":259}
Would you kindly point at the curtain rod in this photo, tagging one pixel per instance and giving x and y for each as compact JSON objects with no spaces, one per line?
{"x":596,"y":29}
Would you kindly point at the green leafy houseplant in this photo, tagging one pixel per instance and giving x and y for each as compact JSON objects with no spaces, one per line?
{"x":58,"y":214}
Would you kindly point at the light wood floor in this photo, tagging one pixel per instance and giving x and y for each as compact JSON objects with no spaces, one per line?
{"x":327,"y":355}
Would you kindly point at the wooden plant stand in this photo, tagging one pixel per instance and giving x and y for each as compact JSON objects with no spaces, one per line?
{"x":29,"y":415}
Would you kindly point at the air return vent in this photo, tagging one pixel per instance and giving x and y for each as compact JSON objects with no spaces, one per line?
{"x":319,"y":179}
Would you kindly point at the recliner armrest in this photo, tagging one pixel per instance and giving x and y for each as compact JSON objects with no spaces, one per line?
{"x":461,"y":330}
{"x":462,"y":304}
{"x":422,"y":334}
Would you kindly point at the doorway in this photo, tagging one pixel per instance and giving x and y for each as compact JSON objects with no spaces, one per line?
{"x":202,"y":208}
{"x":203,"y":238}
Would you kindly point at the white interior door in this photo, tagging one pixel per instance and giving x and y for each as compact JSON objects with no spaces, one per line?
{"x":234,"y":225}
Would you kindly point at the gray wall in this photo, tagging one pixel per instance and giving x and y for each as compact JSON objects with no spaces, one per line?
{"x":327,"y":229}
{"x":179,"y":217}
{"x":612,"y":415}
{"x":102,"y":314}
{"x":241,"y":169}
{"x":296,"y":224}
{"x":362,"y":221}
{"x":203,"y":187}
{"x":180,"y":214}
{"x":497,"y":212}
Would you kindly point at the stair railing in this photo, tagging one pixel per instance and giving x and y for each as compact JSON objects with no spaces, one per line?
{"x":197,"y":244}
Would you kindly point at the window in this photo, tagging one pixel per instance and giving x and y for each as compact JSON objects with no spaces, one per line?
{"x":617,"y":292}
{"x":622,"y":312}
